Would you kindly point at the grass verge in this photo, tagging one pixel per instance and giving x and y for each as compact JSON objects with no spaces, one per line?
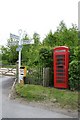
{"x":40,"y":93}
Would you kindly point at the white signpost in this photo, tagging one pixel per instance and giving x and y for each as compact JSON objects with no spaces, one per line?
{"x":19,"y":42}
{"x":14,"y":36}
{"x":14,"y":43}
{"x":18,"y":49}
{"x":28,"y":42}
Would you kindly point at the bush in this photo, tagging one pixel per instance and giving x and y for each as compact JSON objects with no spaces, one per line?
{"x":45,"y":57}
{"x":74,"y":79}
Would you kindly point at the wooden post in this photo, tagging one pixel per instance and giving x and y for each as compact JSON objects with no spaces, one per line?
{"x":46,"y":76}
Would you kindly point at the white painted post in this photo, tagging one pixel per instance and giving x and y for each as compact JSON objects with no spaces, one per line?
{"x":20,"y":32}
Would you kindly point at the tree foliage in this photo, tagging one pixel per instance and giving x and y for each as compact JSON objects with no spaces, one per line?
{"x":45,"y":57}
{"x":62,"y":36}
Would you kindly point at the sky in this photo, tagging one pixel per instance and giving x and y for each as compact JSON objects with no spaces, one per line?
{"x":39,"y":16}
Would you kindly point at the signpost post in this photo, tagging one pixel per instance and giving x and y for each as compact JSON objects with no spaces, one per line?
{"x":20,"y":33}
{"x":19,"y":42}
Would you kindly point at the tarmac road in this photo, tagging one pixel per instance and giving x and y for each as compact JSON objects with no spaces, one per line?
{"x":0,"y":98}
{"x":13,"y":109}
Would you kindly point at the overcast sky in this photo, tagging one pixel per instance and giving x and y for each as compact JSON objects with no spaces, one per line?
{"x":39,"y":16}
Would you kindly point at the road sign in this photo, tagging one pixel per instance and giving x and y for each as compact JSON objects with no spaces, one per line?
{"x":14,"y":36}
{"x":28,"y":41}
{"x":19,"y":48}
{"x":13,"y":43}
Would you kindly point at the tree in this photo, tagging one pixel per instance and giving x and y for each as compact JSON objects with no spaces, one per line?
{"x":45,"y":56}
{"x":49,"y":40}
{"x":9,"y":53}
{"x":36,"y":38}
{"x":63,"y":36}
{"x":30,"y":51}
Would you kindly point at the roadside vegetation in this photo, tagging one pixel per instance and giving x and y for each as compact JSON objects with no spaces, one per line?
{"x":66,"y":98}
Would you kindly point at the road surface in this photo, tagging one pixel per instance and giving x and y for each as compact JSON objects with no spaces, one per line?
{"x":13,"y":109}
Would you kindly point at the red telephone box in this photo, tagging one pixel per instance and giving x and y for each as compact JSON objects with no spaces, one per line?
{"x":61,"y":64}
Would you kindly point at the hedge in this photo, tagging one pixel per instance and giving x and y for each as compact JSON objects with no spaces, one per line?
{"x":74,"y":75}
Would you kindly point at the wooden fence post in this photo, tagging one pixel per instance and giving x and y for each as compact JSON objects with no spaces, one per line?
{"x":46,"y":76}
